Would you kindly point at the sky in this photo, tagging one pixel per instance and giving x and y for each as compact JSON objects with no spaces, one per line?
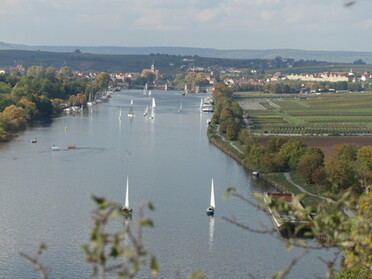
{"x":219,"y":24}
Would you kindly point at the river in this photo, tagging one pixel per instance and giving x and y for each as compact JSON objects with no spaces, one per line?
{"x":45,"y":195}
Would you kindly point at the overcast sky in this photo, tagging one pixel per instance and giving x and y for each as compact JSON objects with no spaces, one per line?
{"x":221,"y":24}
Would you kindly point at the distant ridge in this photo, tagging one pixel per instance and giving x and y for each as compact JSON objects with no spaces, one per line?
{"x":319,"y":55}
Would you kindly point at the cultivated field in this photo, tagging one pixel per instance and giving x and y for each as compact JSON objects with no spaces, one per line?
{"x":337,"y":114}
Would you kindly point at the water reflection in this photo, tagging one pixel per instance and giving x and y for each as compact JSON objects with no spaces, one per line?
{"x":211,"y":232}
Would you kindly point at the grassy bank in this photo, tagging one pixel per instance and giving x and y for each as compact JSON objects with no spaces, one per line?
{"x":276,"y":179}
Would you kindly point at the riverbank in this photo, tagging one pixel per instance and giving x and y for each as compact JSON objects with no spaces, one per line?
{"x":280,"y":181}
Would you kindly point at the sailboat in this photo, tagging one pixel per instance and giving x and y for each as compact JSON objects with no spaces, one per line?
{"x":146,"y":111}
{"x":150,"y":93}
{"x":212,"y":204}
{"x":90,"y":101}
{"x":201,"y":105}
{"x":180,"y":109}
{"x":127,"y":211}
{"x":131,"y":113}
{"x":153,"y":105}
{"x":185,"y":90}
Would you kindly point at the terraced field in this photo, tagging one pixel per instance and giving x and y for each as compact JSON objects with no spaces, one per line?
{"x":314,"y":115}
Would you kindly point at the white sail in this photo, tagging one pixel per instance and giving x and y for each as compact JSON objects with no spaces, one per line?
{"x":126,"y":204}
{"x":131,"y":113}
{"x":201,"y":104}
{"x":153,"y":105}
{"x":212,"y":202}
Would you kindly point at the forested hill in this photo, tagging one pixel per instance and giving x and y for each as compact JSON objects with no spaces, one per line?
{"x":319,"y":55}
{"x":167,"y":64}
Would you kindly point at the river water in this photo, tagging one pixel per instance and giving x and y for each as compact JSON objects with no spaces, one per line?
{"x":45,"y":195}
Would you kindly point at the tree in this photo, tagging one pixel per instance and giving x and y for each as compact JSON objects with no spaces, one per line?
{"x":346,"y":151}
{"x":30,"y":108}
{"x":309,"y":162}
{"x":5,"y":88}
{"x":103,"y":80}
{"x":149,"y":76}
{"x":342,"y":175}
{"x":273,"y":145}
{"x":43,"y":105}
{"x":364,"y":161}
{"x":16,"y":117}
{"x":19,"y":92}
{"x":65,"y":72}
{"x":4,"y":135}
{"x":364,"y":157}
{"x":36,"y":71}
{"x":5,"y":102}
{"x":50,"y":72}
{"x":292,"y":151}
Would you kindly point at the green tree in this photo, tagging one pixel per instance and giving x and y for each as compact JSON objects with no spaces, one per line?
{"x":364,"y":157}
{"x":273,"y":145}
{"x":103,"y":80}
{"x":30,"y":109}
{"x":5,"y":102}
{"x":65,"y":72}
{"x":346,"y":151}
{"x":5,"y":88}
{"x":292,"y":151}
{"x":36,"y":71}
{"x":50,"y":72}
{"x":43,"y":105}
{"x":19,"y":92}
{"x":309,"y":162}
{"x":149,"y":76}
{"x":342,"y":175}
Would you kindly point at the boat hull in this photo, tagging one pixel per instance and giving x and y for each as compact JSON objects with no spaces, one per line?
{"x":210,"y":211}
{"x":287,"y":224}
{"x":127,"y":213}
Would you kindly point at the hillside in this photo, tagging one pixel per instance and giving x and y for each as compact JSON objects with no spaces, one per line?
{"x":167,"y":64}
{"x":330,"y":56}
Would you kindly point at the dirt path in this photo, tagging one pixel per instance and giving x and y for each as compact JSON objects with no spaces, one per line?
{"x":287,"y":176}
{"x":230,"y":142}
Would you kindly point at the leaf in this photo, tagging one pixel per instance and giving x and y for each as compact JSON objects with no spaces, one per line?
{"x":228,"y":193}
{"x":150,"y":206}
{"x":85,"y":248}
{"x":147,"y":222}
{"x":98,"y":200}
{"x":154,"y":266}
{"x":196,"y":275}
{"x":289,"y":245}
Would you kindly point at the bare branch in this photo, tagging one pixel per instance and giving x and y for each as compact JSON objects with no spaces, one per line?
{"x":43,"y":271}
{"x":285,"y":272}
